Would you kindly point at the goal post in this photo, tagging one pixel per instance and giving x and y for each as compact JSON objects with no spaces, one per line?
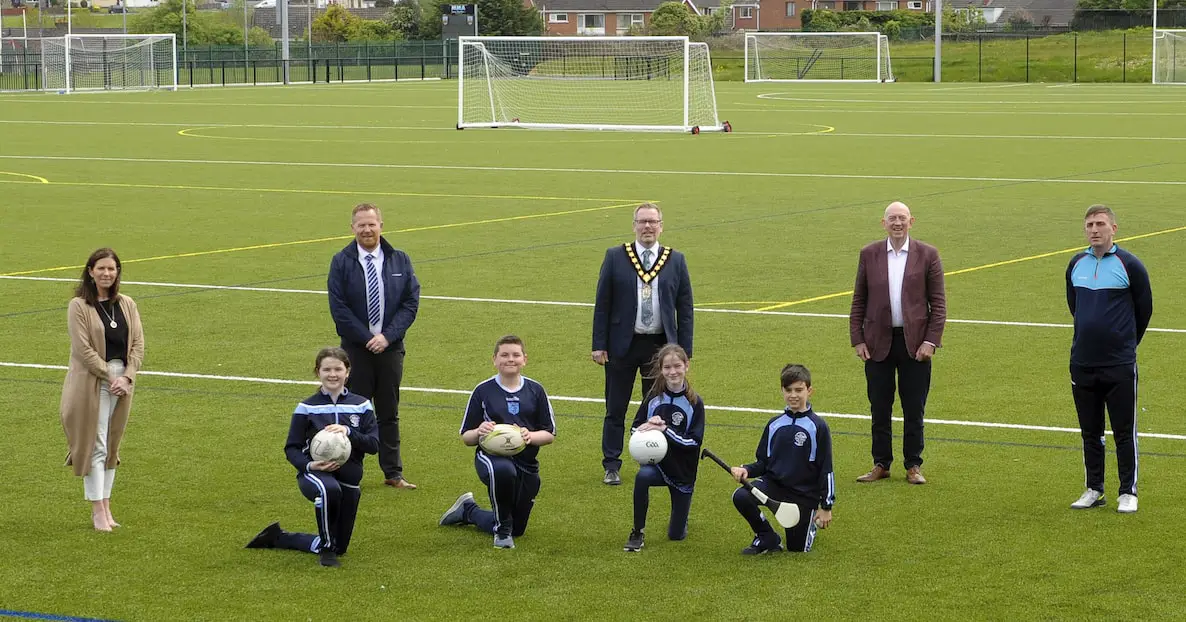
{"x":1169,"y":57}
{"x":109,"y":62}
{"x":817,"y":57}
{"x":603,"y":83}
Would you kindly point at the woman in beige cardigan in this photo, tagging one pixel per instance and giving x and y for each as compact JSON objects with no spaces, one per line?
{"x":106,"y":349}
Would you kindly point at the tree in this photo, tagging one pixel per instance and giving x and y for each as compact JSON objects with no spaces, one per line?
{"x":508,"y":18}
{"x":405,"y":18}
{"x":674,"y":19}
{"x":335,"y":25}
{"x":384,"y":4}
{"x":962,"y":20}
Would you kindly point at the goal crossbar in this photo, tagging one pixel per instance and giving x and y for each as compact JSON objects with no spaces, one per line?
{"x":82,"y":62}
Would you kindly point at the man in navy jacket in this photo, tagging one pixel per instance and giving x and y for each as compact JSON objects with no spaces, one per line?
{"x":373,"y":298}
{"x":644,"y":301}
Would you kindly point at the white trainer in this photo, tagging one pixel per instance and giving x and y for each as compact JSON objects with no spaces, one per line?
{"x":1093,"y":499}
{"x":1126,"y":504}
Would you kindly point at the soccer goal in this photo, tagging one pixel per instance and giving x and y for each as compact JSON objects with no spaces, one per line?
{"x":817,"y":57}
{"x":603,"y":83}
{"x":1169,"y":62}
{"x":109,"y":62}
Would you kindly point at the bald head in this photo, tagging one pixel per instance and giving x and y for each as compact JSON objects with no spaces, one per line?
{"x":897,"y":222}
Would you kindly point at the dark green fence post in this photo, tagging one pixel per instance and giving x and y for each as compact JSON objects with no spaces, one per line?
{"x":1075,"y":75}
{"x":1027,"y":58}
{"x":1124,"y":57}
{"x":980,"y":58}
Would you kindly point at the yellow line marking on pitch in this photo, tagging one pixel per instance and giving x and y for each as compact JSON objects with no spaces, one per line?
{"x":97,"y":184}
{"x":997,"y":264}
{"x":454,"y":225}
{"x":36,"y":179}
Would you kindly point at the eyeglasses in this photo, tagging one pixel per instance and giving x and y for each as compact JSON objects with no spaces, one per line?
{"x":648,"y":222}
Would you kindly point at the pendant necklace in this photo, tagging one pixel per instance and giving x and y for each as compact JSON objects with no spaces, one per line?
{"x":109,"y":316}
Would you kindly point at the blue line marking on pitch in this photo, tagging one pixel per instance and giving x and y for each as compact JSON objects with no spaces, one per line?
{"x":31,"y":615}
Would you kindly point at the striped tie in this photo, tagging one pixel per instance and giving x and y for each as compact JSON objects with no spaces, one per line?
{"x":648,"y":305}
{"x":374,"y":312}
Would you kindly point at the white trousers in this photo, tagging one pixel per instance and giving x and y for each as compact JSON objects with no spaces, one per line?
{"x":97,"y":483}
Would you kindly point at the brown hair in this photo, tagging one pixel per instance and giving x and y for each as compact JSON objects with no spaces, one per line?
{"x":509,"y":340}
{"x":87,"y":289}
{"x":331,"y":352}
{"x":656,"y":372}
{"x":648,"y":206}
{"x":366,"y":207}
{"x":1099,"y":208}
{"x":795,"y":373}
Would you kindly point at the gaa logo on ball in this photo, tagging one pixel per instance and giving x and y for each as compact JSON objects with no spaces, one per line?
{"x":648,"y":447}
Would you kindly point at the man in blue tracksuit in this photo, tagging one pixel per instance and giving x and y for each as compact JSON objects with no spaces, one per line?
{"x":1109,"y":296}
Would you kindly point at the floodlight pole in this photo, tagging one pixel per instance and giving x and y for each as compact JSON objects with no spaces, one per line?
{"x":282,"y":7}
{"x":938,"y":40}
{"x":184,"y":27}
{"x":246,"y":49}
{"x":69,"y":18}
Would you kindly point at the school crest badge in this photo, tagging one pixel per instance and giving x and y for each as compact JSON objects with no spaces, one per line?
{"x":513,"y":407}
{"x":800,"y":438}
{"x":354,"y":421}
{"x":677,"y":419}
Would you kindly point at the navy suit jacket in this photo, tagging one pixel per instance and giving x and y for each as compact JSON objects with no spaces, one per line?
{"x":347,"y":285}
{"x":617,"y":302}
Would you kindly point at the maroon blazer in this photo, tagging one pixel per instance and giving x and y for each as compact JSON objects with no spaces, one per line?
{"x":924,"y":302}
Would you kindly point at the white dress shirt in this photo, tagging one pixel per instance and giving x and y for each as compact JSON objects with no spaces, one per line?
{"x":378,"y":261}
{"x":896,"y":261}
{"x":656,"y":325}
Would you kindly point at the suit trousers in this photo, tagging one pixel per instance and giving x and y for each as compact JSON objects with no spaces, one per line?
{"x":913,"y":384}
{"x":1115,"y":388}
{"x":377,"y":377}
{"x":619,"y":387}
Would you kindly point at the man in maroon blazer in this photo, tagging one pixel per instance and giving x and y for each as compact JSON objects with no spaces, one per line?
{"x":898,"y":311}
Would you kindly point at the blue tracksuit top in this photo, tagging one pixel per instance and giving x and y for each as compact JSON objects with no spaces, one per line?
{"x":319,"y":410}
{"x":795,"y":454}
{"x":1111,"y":301}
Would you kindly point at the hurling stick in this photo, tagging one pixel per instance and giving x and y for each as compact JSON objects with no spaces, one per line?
{"x":787,"y":514}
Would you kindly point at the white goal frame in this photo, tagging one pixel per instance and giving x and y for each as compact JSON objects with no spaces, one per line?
{"x":66,"y":40}
{"x":688,"y":116}
{"x":882,"y":59}
{"x":1171,"y":37}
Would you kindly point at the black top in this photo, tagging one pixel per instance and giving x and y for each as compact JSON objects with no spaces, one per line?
{"x":117,"y":338}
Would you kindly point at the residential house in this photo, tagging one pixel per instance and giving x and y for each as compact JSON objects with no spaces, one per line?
{"x":602,"y":17}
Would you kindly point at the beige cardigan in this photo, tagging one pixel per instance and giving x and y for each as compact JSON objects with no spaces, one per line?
{"x":87,"y":373}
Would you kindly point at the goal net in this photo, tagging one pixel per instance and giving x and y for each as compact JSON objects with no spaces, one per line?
{"x":817,"y":57}
{"x":1169,"y":57}
{"x":607,"y":83}
{"x":109,"y":62}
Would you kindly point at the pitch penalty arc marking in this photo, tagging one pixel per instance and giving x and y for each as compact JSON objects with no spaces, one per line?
{"x":604,"y":171}
{"x":221,"y":251}
{"x":986,"y":266}
{"x":594,"y":400}
{"x":553,"y":303}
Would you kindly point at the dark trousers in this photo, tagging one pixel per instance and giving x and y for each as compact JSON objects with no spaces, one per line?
{"x":512,"y":495}
{"x":335,"y":505}
{"x":799,"y":538}
{"x":619,"y":387}
{"x":377,"y":377}
{"x":649,"y":477}
{"x":913,"y":384}
{"x":1115,"y":388}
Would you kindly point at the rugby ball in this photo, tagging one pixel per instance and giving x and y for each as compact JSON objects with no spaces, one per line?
{"x":329,"y":446}
{"x":648,"y":447}
{"x":504,"y":440}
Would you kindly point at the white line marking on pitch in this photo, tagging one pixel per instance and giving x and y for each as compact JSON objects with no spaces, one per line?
{"x":600,"y":171}
{"x":977,"y":87}
{"x":553,"y":303}
{"x":593,"y":400}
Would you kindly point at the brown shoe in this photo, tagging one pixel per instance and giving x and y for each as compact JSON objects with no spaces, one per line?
{"x":399,"y":482}
{"x":914,"y":475}
{"x":878,"y":472}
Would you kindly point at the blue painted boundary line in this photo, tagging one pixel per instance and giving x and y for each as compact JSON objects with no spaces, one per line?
{"x":32,"y":615}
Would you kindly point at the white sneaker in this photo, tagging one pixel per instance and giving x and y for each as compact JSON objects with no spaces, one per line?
{"x":1126,"y":504}
{"x":1093,"y":499}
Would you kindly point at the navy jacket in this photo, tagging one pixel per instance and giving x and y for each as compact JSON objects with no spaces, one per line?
{"x":617,"y":302}
{"x":1112,"y":304}
{"x":318,"y":411}
{"x":685,"y":435}
{"x":347,"y":285}
{"x":795,"y":454}
{"x":528,"y":407}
